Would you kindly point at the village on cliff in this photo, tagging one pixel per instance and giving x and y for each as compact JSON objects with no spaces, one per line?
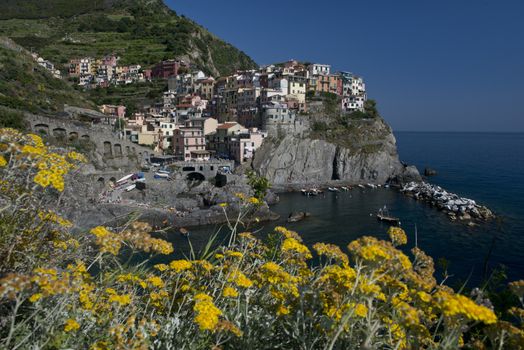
{"x":200,"y":117}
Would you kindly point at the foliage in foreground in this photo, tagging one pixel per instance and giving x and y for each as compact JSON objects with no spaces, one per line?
{"x":60,"y":291}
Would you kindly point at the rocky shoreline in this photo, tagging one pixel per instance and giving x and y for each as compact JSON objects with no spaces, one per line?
{"x":456,"y":207}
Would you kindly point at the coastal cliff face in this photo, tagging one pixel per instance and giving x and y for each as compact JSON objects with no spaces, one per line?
{"x":364,"y":151}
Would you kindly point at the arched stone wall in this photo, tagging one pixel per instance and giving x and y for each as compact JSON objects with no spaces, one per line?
{"x":117,"y":150}
{"x":108,"y":150}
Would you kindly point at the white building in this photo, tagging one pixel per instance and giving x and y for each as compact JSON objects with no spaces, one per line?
{"x":319,"y":69}
{"x":353,"y":103}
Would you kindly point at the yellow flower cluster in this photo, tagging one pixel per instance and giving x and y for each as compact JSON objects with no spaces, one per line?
{"x":3,"y":162}
{"x":77,"y":157}
{"x":237,"y":277}
{"x":207,"y":313}
{"x":108,"y":241}
{"x":456,"y":305}
{"x":138,"y":236}
{"x":180,"y":265}
{"x":120,"y":299}
{"x":291,"y":245}
{"x":230,"y":292}
{"x":71,"y":326}
{"x":51,"y":216}
{"x":331,"y":251}
{"x":397,"y":236}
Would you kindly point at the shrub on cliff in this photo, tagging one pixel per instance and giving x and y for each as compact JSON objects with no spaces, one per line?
{"x":77,"y":292}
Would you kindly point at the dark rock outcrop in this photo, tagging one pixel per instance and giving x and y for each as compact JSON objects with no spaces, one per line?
{"x":370,"y":157}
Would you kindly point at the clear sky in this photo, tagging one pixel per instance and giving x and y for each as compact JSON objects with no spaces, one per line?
{"x":432,"y":65}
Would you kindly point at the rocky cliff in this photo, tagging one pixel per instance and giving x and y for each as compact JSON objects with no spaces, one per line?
{"x":364,"y":151}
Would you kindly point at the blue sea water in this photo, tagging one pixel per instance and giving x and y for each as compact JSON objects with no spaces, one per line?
{"x":488,"y":168}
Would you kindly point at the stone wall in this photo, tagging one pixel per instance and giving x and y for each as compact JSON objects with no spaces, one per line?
{"x":108,"y":144}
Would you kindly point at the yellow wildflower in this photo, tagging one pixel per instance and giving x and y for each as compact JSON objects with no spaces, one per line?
{"x":161,"y":267}
{"x":361,"y":310}
{"x":206,"y":312}
{"x":397,"y":235}
{"x":237,"y":277}
{"x":294,"y":246}
{"x":180,"y":265}
{"x":71,"y":325}
{"x":229,"y":292}
{"x":282,"y":310}
{"x":254,"y":201}
{"x":459,"y":305}
{"x":156,"y":281}
{"x":35,"y":297}
{"x":108,"y":241}
{"x":3,"y":162}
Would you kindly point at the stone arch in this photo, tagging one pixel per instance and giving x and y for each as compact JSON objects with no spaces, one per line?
{"x":85,"y":138}
{"x":60,"y":133}
{"x":196,"y":176}
{"x":117,"y":149}
{"x":73,"y":136}
{"x":108,"y":150}
{"x":41,"y":129}
{"x":112,"y":179}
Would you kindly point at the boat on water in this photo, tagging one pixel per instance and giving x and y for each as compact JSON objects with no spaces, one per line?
{"x":384,"y":215}
{"x":344,"y":188}
{"x":333,"y":189}
{"x":361,"y":186}
{"x":311,"y":192}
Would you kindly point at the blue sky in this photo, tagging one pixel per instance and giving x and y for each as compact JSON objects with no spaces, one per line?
{"x":432,"y":65}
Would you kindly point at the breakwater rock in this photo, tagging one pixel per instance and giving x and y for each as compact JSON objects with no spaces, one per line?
{"x":455,"y":206}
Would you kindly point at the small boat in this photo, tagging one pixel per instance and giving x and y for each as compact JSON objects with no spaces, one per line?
{"x":163,"y":171}
{"x":130,"y":188}
{"x":383,"y":215}
{"x":361,"y":186}
{"x":161,"y":175}
{"x":304,"y":192}
{"x":124,"y":179}
{"x":371,"y":186}
{"x":344,"y":188}
{"x":333,"y":189}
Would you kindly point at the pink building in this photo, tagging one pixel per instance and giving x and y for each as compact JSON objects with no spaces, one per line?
{"x":114,"y":111}
{"x":242,"y":147}
{"x":188,"y":140}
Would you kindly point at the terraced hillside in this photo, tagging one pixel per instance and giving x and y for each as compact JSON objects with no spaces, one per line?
{"x":140,"y":31}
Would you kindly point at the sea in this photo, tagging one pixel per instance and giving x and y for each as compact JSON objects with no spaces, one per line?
{"x":486,"y":167}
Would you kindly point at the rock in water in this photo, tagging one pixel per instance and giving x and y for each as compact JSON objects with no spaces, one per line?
{"x":298,"y":216}
{"x":430,"y":172}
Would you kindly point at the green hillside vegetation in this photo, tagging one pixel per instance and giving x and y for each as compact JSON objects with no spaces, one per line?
{"x":139,"y":31}
{"x":26,"y":86}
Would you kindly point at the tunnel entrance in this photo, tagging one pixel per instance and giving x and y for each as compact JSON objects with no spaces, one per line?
{"x":195,"y":176}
